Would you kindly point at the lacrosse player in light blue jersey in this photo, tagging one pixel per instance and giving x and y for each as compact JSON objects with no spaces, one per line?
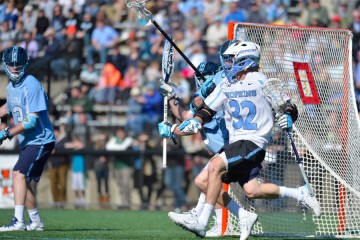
{"x":27,"y":104}
{"x":214,"y":134}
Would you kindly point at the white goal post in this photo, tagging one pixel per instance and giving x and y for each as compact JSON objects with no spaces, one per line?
{"x":316,"y":67}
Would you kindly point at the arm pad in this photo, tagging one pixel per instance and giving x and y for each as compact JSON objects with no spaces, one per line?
{"x":291,"y":109}
{"x":30,"y":121}
{"x":205,"y":113}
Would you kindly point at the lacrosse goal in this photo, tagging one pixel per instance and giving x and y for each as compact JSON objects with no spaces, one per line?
{"x":316,"y":67}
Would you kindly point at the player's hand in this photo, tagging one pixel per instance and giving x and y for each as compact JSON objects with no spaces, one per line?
{"x":166,"y":130}
{"x":191,"y":125}
{"x":4,"y":134}
{"x":206,"y":88}
{"x":285,"y":122}
{"x":167,"y":90}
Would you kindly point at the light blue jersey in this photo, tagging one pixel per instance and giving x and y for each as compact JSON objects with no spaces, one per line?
{"x":29,"y":97}
{"x":214,"y":133}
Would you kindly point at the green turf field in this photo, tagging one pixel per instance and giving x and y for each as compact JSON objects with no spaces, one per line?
{"x":103,"y":224}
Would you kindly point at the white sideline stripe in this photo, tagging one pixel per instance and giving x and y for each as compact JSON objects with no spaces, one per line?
{"x":32,"y":237}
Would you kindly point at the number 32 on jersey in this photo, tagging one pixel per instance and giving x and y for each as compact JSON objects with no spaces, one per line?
{"x":244,"y":120}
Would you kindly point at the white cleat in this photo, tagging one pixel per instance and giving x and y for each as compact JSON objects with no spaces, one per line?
{"x":14,"y":225}
{"x":179,"y":218}
{"x":35,"y":226}
{"x":215,"y":230}
{"x":246,"y":221}
{"x":193,"y":225}
{"x":310,"y":201}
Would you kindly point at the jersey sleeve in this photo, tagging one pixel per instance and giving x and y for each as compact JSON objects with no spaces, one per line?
{"x":35,"y":97}
{"x":216,"y":99}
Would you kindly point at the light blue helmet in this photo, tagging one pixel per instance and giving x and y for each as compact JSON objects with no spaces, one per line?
{"x":246,"y":55}
{"x":207,"y":69}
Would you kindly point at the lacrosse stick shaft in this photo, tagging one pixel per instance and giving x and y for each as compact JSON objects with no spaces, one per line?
{"x":164,"y":158}
{"x":177,"y":49}
{"x":301,"y":166}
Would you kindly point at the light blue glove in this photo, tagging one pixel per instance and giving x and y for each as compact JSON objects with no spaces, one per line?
{"x":189,"y":126}
{"x":206,"y":88}
{"x":166,"y":130}
{"x":285,"y":122}
{"x":5,"y":134}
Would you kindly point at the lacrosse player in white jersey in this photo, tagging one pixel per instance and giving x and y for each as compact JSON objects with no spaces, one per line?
{"x":214,"y":134}
{"x":249,"y":119}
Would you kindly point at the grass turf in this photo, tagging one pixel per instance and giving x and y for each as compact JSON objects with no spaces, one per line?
{"x":102,"y":224}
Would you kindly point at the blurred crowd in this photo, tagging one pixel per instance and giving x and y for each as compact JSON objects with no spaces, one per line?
{"x":99,"y":45}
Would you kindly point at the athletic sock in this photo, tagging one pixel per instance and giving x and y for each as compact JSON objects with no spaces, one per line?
{"x":233,"y":207}
{"x":218,"y":213}
{"x":205,"y":214}
{"x":290,"y":192}
{"x":34,"y":215}
{"x":200,"y":204}
{"x":19,"y":212}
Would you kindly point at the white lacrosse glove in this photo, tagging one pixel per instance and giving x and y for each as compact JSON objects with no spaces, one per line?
{"x":285,"y":122}
{"x":189,"y":126}
{"x":169,"y":89}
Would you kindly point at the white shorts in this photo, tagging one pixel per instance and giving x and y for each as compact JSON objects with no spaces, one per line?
{"x":78,"y":181}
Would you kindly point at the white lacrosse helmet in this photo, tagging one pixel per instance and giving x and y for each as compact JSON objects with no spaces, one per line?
{"x":246,"y":55}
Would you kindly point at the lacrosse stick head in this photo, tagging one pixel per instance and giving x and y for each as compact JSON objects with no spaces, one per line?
{"x":273,"y":89}
{"x":138,"y":6}
{"x":168,"y":61}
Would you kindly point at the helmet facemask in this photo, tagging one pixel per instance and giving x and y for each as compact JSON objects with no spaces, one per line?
{"x":15,"y":70}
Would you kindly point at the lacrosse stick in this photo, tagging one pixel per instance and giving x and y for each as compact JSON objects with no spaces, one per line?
{"x":145,"y":17}
{"x":167,"y":70}
{"x":273,"y":89}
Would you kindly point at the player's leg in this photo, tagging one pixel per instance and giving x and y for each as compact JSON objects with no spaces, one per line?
{"x":254,"y":189}
{"x":40,"y":153}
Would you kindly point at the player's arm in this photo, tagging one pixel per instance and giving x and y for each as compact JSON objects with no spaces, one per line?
{"x":29,"y":123}
{"x":3,"y":111}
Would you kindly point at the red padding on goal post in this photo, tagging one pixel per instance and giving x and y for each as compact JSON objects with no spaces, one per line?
{"x":305,"y":83}
{"x":225,"y":214}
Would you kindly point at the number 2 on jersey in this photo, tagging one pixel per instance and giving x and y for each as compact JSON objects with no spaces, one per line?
{"x":245,"y":124}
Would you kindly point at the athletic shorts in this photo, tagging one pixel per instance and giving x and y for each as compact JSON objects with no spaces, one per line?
{"x":78,"y":181}
{"x":243,"y":161}
{"x":32,"y":159}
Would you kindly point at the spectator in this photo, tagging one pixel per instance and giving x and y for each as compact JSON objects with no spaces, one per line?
{"x":58,"y":168}
{"x":87,"y":26}
{"x":134,"y":118}
{"x":91,"y":7}
{"x":117,"y":59}
{"x":19,"y":32}
{"x":89,"y":75}
{"x":355,"y":29}
{"x":48,"y":7}
{"x":41,"y":67}
{"x":256,"y":14}
{"x":79,"y":103}
{"x":31,"y":46}
{"x":11,"y":14}
{"x":123,"y":165}
{"x":196,"y":19}
{"x":151,"y":102}
{"x":29,"y":17}
{"x":58,"y":23}
{"x":216,"y":33}
{"x":316,"y":10}
{"x":103,"y":38}
{"x":174,"y":178}
{"x":69,"y":60}
{"x":2,"y":11}
{"x":145,"y":169}
{"x":235,"y":14}
{"x":42,"y":24}
{"x":109,"y":84}
{"x":6,"y":37}
{"x":73,"y":19}
{"x":101,"y":167}
{"x":114,"y":11}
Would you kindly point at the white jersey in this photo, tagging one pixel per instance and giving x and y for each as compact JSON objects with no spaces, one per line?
{"x":248,"y":114}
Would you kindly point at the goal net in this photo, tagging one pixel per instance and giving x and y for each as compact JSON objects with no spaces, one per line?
{"x":316,"y":67}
